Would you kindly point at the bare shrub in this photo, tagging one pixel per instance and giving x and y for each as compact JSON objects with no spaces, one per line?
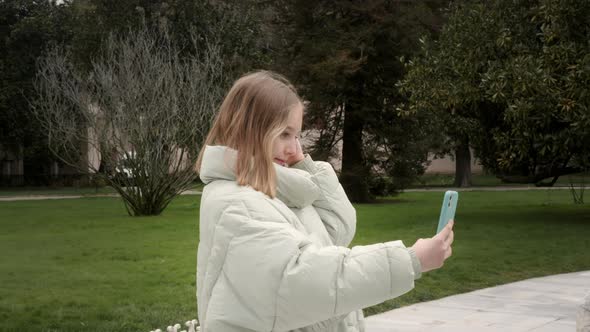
{"x":142,"y":109}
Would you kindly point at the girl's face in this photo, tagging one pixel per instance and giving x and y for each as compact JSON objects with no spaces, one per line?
{"x":286,"y":145}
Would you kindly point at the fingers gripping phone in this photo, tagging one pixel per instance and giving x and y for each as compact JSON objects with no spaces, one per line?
{"x":447,"y":212}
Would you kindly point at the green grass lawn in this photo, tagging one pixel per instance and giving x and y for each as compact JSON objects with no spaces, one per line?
{"x":84,"y":265}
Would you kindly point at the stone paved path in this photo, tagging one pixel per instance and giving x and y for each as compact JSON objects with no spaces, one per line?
{"x":547,"y":304}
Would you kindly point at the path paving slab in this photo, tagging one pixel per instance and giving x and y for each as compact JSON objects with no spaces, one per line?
{"x":547,"y":304}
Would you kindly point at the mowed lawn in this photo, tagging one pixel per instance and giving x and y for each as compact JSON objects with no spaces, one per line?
{"x":84,"y":265}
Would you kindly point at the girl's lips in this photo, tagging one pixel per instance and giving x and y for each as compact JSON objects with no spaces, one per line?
{"x":280,"y":161}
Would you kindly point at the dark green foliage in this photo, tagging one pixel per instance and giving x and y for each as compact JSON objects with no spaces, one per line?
{"x":27,"y":28}
{"x":228,"y":21}
{"x":514,"y":76}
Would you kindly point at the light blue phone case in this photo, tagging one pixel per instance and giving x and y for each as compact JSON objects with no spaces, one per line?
{"x":447,"y":212}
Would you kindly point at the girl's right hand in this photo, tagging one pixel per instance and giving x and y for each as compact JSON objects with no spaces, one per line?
{"x":297,"y":156}
{"x":434,"y":251}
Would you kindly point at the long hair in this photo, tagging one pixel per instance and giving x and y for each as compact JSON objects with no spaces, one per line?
{"x":252,"y":115}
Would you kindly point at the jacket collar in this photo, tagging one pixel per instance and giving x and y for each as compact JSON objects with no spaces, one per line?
{"x":295,"y":187}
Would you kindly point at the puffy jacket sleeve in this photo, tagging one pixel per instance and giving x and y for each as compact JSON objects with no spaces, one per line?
{"x":333,"y":206}
{"x":275,"y":279}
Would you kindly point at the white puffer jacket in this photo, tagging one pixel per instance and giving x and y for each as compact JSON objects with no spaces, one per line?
{"x":283,"y":264}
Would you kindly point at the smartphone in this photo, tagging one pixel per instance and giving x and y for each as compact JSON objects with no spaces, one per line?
{"x":447,"y":212}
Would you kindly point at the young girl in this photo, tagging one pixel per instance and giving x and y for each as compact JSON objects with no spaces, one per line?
{"x":275,"y":226}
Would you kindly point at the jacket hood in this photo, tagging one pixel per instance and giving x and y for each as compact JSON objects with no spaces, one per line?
{"x":295,"y":187}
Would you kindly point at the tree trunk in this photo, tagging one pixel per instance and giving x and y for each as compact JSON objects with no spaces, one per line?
{"x":354,"y":176}
{"x":463,"y":164}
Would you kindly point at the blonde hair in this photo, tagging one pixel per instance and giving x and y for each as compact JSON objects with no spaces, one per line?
{"x":253,"y":113}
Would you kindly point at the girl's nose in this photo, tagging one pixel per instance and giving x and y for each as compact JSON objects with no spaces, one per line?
{"x":291,"y":147}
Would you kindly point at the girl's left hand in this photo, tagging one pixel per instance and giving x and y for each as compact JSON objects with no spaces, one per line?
{"x":297,"y":156}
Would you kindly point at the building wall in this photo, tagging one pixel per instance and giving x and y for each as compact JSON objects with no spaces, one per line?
{"x":446,"y":165}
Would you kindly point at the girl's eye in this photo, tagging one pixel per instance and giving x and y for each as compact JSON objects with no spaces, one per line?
{"x":285,"y":135}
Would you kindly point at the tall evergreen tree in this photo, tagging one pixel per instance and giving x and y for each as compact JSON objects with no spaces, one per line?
{"x":27,"y":28}
{"x":345,"y":57}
